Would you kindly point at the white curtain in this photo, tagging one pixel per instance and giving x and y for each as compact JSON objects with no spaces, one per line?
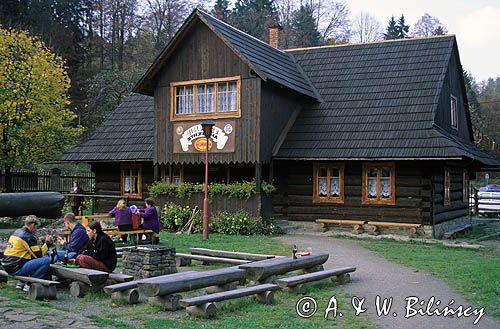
{"x":180,"y":100}
{"x":210,"y":98}
{"x":232,"y":97}
{"x":334,"y":187}
{"x":127,"y":184}
{"x":222,"y":97}
{"x":200,"y":99}
{"x":322,"y":190}
{"x":372,"y":187}
{"x":189,"y":100}
{"x":385,"y":188}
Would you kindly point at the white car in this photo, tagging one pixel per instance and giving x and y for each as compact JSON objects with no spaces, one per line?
{"x":488,"y":200}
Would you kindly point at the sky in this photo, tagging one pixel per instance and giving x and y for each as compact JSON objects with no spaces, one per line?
{"x":476,"y":24}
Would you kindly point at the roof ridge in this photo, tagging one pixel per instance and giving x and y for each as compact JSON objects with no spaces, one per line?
{"x":238,"y":30}
{"x":371,"y":42}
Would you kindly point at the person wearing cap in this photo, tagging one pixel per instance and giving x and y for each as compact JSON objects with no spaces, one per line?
{"x":25,"y":255}
{"x":123,"y":217}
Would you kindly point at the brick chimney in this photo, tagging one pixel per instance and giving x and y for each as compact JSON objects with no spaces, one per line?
{"x":275,"y":35}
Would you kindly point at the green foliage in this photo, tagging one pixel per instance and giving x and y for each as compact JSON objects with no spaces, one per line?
{"x":303,"y":28}
{"x":174,"y":216}
{"x":35,"y":122}
{"x":254,"y":16}
{"x":241,"y":223}
{"x":240,"y":190}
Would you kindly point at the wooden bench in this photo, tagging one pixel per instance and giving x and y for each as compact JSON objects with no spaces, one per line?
{"x":230,"y":254}
{"x":82,"y":279}
{"x":185,"y":259}
{"x":136,"y":232}
{"x":264,"y":271}
{"x":205,"y":305}
{"x":357,"y":224}
{"x":39,"y":289}
{"x":412,"y":228}
{"x":297,"y":283}
{"x":99,"y":217}
{"x":161,"y":290}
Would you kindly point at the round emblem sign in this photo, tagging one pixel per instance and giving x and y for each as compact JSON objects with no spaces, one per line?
{"x":201,"y":144}
{"x":228,"y":128}
{"x":179,"y":130}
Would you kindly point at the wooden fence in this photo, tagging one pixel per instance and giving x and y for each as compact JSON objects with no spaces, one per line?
{"x":484,"y":203}
{"x":53,"y":180}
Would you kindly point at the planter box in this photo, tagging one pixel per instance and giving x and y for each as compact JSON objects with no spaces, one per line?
{"x":259,"y":204}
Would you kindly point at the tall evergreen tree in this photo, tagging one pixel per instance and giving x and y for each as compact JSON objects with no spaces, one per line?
{"x":402,"y":28}
{"x":221,"y":10}
{"x":254,"y":17}
{"x":303,"y":28}
{"x":392,"y":31}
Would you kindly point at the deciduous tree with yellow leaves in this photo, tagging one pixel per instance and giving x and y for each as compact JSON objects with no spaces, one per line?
{"x":35,"y":122}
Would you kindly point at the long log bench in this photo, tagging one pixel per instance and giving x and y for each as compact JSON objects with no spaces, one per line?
{"x":411,"y":228}
{"x":205,"y":305}
{"x":230,"y":254}
{"x":264,"y":271}
{"x":184,"y":259}
{"x":297,"y":283}
{"x":40,"y":289}
{"x":356,"y":224}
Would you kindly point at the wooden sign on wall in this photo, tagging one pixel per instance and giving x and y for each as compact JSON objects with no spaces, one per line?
{"x":188,"y":138}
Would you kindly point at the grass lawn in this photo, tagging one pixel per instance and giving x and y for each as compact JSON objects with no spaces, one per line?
{"x":475,"y":274}
{"x":237,"y":313}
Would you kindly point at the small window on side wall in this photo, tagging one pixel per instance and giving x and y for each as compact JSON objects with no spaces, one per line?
{"x":131,"y":180}
{"x":379,"y":183}
{"x":172,"y":174}
{"x":465,"y":186}
{"x":328,"y":186}
{"x":447,"y":187}
{"x":454,"y":113}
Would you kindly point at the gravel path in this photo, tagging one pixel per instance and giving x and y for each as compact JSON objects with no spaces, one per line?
{"x":377,"y":276}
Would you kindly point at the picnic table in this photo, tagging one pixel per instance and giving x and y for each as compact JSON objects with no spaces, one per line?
{"x":162,"y":290}
{"x":98,"y":217}
{"x":82,"y":279}
{"x":265,"y":270}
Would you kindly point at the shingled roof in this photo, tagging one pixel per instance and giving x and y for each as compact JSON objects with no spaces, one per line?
{"x":126,"y":135}
{"x":379,"y":102}
{"x":268,"y":62}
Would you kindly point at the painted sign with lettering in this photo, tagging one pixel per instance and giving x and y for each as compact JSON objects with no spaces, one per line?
{"x":189,"y":138}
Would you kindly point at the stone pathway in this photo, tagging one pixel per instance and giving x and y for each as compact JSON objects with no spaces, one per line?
{"x":14,"y":316}
{"x":377,"y":276}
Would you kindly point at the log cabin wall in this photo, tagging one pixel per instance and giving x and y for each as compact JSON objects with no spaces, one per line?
{"x":293,"y":200}
{"x":203,"y":55}
{"x":457,"y":207}
{"x":108,"y":182}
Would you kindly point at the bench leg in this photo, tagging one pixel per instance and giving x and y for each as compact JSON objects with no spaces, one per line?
{"x":3,"y":279}
{"x":412,"y":232}
{"x":358,"y":229}
{"x":343,"y":278}
{"x":373,"y":230}
{"x":39,"y":292}
{"x":299,"y":289}
{"x":269,"y":279}
{"x":220,"y":288}
{"x":316,"y":268}
{"x":181,"y":261}
{"x":78,"y":289}
{"x":130,"y":296}
{"x":266,"y":297}
{"x":169,"y":302}
{"x":206,"y":310}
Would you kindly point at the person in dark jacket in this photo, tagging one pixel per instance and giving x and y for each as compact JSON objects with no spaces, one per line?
{"x":123,"y":217}
{"x":24,"y":255}
{"x":77,"y":240}
{"x":150,"y":217}
{"x":76,"y":202}
{"x":100,"y":253}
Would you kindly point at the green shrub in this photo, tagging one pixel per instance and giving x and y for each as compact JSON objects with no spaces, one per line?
{"x":240,"y":223}
{"x":174,"y":216}
{"x":162,"y":188}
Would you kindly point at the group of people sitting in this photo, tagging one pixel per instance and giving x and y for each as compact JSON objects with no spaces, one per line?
{"x":26,"y":255}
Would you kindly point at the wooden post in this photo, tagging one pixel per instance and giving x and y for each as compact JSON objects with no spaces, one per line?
{"x":55,"y":177}
{"x":258,"y":175}
{"x":39,"y":292}
{"x":156,"y":173}
{"x":476,"y":203}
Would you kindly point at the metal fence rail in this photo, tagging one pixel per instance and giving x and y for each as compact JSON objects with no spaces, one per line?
{"x":55,"y":180}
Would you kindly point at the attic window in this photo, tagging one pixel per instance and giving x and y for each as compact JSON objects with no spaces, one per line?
{"x":454,"y":114}
{"x":379,"y":183}
{"x":212,"y":98}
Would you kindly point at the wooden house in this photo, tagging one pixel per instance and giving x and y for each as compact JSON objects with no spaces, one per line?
{"x":377,"y":131}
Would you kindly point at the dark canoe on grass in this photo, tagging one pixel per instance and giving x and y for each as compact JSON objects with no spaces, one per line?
{"x":162,"y":286}
{"x":260,"y":270}
{"x":85,"y":275}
